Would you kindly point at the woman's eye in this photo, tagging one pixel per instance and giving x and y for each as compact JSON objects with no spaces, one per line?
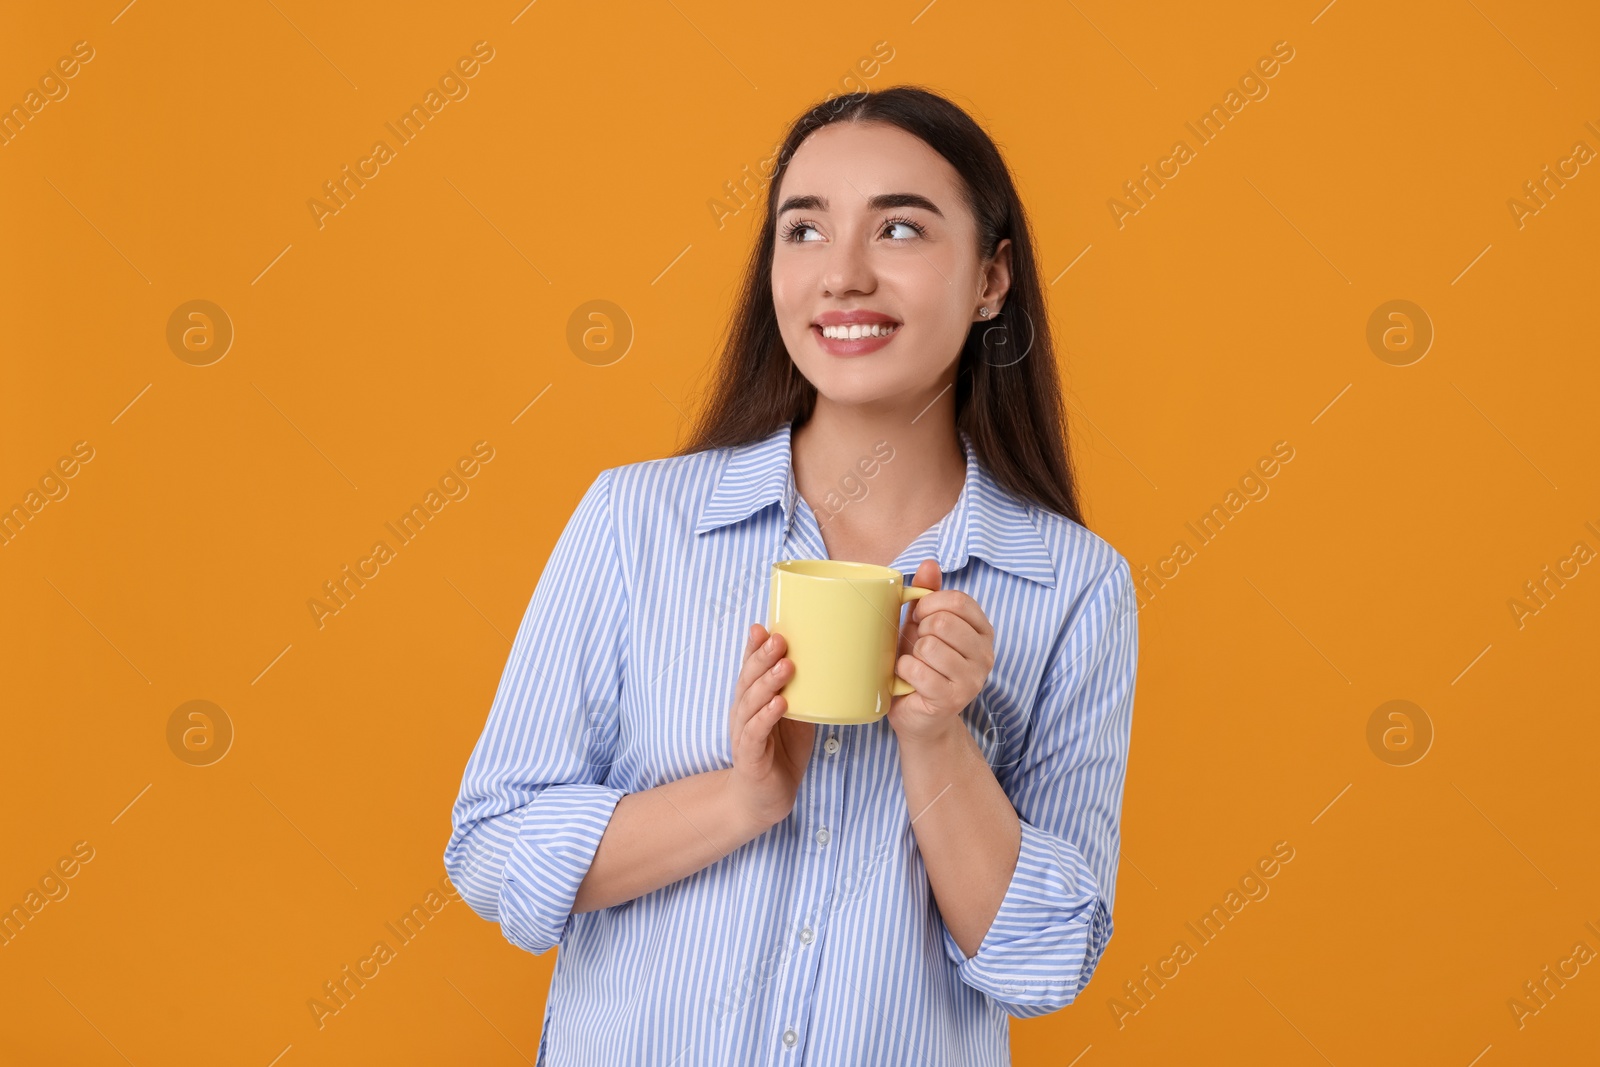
{"x":911,"y":228}
{"x":791,"y":231}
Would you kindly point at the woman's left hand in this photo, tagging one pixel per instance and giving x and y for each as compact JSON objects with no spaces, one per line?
{"x":946,"y":651}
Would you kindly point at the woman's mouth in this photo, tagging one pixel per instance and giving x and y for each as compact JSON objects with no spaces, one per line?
{"x":855,"y":339}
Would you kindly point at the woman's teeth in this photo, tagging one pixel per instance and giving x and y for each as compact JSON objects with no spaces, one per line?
{"x":856,"y":330}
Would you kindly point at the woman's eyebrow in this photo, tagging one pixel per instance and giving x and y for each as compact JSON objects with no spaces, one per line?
{"x":880,"y":202}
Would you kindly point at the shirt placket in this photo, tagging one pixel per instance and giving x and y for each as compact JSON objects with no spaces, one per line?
{"x":820,"y":810}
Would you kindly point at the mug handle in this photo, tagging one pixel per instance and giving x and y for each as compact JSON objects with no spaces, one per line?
{"x":901,"y":687}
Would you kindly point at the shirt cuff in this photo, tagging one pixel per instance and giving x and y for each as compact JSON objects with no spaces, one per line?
{"x":1031,"y":962}
{"x":553,"y":850}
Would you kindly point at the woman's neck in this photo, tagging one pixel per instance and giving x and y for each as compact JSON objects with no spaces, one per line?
{"x":876,"y":482}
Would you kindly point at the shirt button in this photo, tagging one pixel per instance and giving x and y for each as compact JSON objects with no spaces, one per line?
{"x":822,"y":836}
{"x":831,"y":745}
{"x":806,"y":936}
{"x":789,"y":1038}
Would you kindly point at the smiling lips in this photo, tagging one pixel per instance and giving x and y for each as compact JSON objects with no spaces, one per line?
{"x":853,"y":333}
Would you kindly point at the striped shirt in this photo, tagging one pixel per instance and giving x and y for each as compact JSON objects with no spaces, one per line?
{"x":820,"y":941}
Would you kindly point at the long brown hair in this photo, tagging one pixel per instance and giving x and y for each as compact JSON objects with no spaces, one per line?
{"x":1007,"y":392}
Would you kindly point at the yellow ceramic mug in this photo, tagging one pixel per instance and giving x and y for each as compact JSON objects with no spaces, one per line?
{"x":842,"y":624}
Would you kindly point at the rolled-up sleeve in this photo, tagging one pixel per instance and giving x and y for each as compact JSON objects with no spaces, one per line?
{"x":1055,"y":918}
{"x":533,"y":803}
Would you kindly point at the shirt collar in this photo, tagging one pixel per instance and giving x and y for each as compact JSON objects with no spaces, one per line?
{"x":987,"y":521}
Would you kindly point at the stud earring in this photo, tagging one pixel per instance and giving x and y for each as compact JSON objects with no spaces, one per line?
{"x":984,"y":312}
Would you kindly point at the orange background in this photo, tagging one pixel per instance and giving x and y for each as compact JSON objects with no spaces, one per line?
{"x":1228,"y":314}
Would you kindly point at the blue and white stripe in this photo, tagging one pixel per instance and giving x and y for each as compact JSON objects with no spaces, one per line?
{"x":620,"y":679}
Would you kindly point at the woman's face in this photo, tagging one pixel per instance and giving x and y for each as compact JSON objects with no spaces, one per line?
{"x":872,"y":228}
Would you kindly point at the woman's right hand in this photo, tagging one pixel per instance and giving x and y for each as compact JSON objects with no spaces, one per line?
{"x":770,"y":752}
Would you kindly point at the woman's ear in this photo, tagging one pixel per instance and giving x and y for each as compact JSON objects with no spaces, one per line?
{"x":997,"y":277}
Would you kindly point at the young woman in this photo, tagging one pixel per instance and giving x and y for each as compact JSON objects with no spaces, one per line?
{"x":731,"y":886}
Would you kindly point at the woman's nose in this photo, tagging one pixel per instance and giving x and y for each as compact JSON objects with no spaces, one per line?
{"x":849,"y":268}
